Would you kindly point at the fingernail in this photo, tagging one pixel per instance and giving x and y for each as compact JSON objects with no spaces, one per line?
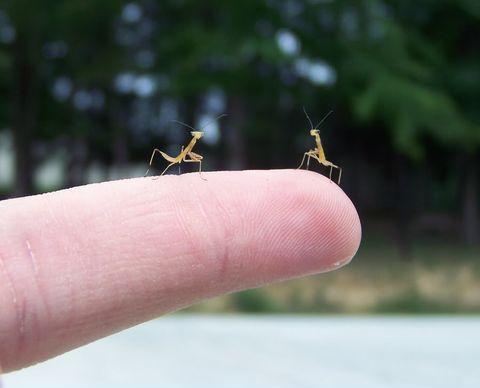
{"x":338,"y":264}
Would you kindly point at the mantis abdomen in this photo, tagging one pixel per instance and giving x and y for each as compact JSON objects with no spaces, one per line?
{"x":182,"y":154}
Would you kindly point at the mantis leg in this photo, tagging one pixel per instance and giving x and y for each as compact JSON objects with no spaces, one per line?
{"x":195,"y":158}
{"x":303,"y":160}
{"x":170,"y":165}
{"x":199,"y":166}
{"x":179,"y":164}
{"x":156,"y":150}
{"x":200,"y":170}
{"x":312,"y":154}
{"x":339,"y":175}
{"x":309,"y":154}
{"x":332,"y":166}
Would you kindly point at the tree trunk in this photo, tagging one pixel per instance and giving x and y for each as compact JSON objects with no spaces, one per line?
{"x":78,"y":161}
{"x":120,"y":148}
{"x":119,"y":120}
{"x":470,"y":203}
{"x":235,"y":138}
{"x":24,"y":87}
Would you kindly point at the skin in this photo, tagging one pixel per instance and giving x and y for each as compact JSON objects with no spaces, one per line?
{"x":81,"y":264}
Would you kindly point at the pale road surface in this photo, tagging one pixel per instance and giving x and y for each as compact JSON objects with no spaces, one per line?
{"x":192,"y":351}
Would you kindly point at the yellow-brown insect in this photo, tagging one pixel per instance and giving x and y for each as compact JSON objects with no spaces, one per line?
{"x":318,"y":153}
{"x":186,"y":154}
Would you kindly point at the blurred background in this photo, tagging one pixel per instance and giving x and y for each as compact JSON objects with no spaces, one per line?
{"x":88,"y":88}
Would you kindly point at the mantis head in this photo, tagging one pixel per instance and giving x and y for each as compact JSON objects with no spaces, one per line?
{"x":314,"y":131}
{"x":197,"y":134}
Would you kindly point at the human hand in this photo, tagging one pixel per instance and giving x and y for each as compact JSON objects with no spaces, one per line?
{"x":80,"y":264}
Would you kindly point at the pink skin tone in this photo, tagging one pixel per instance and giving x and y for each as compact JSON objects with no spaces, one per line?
{"x":80,"y":264}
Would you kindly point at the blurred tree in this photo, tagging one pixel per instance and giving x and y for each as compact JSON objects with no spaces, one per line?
{"x":53,"y":39}
{"x":87,"y":29}
{"x":25,"y":54}
{"x":225,"y":44}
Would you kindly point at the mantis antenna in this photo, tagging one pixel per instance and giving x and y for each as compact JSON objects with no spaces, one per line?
{"x":184,"y":124}
{"x":205,"y":126}
{"x":213,"y":120}
{"x":310,"y":121}
{"x":308,"y":118}
{"x":324,"y":118}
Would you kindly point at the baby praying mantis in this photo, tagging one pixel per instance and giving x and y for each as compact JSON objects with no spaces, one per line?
{"x":318,"y":153}
{"x":186,"y":154}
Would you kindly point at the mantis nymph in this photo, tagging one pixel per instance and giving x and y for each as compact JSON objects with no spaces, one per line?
{"x":186,"y":154}
{"x":318,"y":153}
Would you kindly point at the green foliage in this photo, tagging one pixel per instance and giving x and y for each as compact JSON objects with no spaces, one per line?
{"x":252,"y":301}
{"x":401,"y":85}
{"x":215,"y":43}
{"x":405,"y":72}
{"x":411,"y":111}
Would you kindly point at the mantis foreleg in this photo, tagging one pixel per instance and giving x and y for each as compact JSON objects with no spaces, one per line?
{"x":195,"y":158}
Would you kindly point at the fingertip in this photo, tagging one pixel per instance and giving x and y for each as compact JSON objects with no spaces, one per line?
{"x":302,"y":224}
{"x":341,"y":222}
